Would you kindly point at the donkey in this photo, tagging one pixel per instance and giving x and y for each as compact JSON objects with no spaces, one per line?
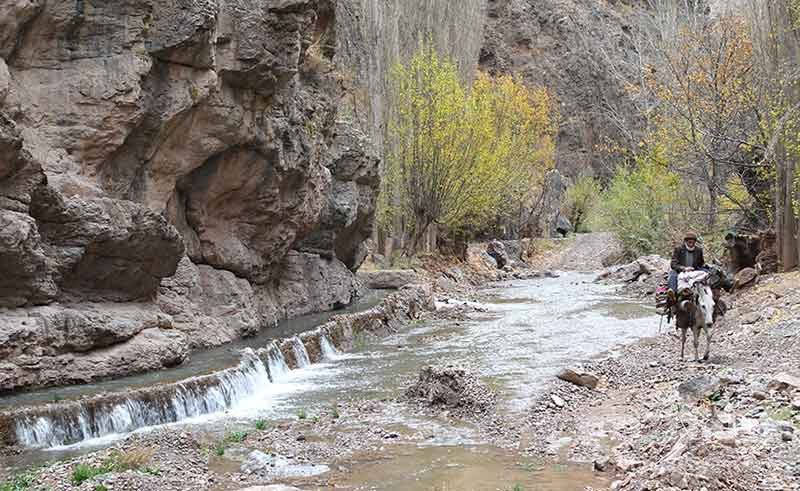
{"x":696,"y":311}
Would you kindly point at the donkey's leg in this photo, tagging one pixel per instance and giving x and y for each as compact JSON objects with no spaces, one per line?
{"x":707,"y":330}
{"x":683,"y":341}
{"x":696,"y":341}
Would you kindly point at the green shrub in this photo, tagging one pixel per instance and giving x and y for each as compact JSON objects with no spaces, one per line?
{"x":20,"y":482}
{"x":637,"y":204}
{"x":236,"y":436}
{"x":261,"y":425}
{"x":579,"y":201}
{"x":83,"y":472}
{"x":301,"y":413}
{"x":219,"y":449}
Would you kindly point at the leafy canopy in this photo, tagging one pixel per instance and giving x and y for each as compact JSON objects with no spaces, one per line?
{"x":458,"y":154}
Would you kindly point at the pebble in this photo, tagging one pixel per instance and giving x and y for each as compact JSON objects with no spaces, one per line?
{"x":787,"y":436}
{"x":726,"y":419}
{"x":559,"y":402}
{"x":726,"y":438}
{"x":759,"y":395}
{"x":601,"y":464}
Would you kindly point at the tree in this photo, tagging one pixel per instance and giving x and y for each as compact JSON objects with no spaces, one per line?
{"x":458,"y":154}
{"x":637,"y":205}
{"x":706,"y":90}
{"x":774,"y":24}
{"x":579,"y":200}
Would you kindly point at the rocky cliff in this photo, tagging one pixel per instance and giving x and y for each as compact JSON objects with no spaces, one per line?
{"x":175,"y":175}
{"x":163,"y":163}
{"x":579,"y":49}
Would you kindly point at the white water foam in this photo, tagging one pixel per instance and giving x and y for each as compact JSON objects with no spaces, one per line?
{"x":300,"y":353}
{"x":278,"y":369}
{"x":192,"y":398}
{"x":329,"y":351}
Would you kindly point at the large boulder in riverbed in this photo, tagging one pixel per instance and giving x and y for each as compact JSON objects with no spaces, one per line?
{"x":744,"y":278}
{"x":700,"y":387}
{"x":562,"y":226}
{"x":497,"y":250}
{"x":582,"y":379}
{"x":388,"y":279}
{"x":645,"y":266}
{"x":451,"y":387}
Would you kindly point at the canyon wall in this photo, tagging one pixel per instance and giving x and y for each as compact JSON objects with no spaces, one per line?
{"x":578,"y":49}
{"x":176,"y":175}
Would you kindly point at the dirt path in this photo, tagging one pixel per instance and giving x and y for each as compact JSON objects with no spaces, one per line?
{"x":583,"y":252}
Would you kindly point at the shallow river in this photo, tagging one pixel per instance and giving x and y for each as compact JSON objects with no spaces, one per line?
{"x":529,"y":331}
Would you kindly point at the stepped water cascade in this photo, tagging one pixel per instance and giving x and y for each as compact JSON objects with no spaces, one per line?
{"x":276,"y":363}
{"x":300,"y":353}
{"x":329,"y":351}
{"x":260,"y":371}
{"x":64,"y":424}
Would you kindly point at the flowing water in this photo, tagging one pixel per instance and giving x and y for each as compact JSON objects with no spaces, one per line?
{"x":529,"y":330}
{"x":200,"y":363}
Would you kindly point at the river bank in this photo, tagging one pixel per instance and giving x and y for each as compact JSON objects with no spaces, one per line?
{"x":346,"y":424}
{"x":656,"y":422}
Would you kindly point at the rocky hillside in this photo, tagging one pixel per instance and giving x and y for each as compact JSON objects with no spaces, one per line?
{"x":576,"y":49}
{"x":177,"y":175}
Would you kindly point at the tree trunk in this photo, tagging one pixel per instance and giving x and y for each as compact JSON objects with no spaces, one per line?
{"x":713,"y":198}
{"x":789,"y":253}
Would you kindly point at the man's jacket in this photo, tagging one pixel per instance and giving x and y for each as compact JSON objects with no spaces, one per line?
{"x":680,"y":259}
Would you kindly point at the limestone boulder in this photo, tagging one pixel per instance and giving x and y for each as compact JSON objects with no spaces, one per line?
{"x":388,"y":279}
{"x":24,"y":275}
{"x":104,"y":249}
{"x":745,"y":278}
{"x":497,"y":250}
{"x":50,"y":345}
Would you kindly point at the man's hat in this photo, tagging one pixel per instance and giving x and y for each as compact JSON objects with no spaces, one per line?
{"x":690,"y":235}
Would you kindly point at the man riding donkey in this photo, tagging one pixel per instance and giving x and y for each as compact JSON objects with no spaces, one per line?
{"x":689,"y":298}
{"x":686,"y":258}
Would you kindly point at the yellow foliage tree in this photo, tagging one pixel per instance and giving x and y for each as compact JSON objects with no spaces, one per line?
{"x":708,"y":106}
{"x":458,"y":154}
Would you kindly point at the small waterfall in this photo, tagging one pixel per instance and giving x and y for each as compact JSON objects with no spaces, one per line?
{"x":329,"y":351}
{"x":300,"y":353}
{"x":278,"y":369}
{"x":68,"y":423}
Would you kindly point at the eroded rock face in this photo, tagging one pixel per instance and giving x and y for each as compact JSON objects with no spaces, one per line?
{"x":59,"y":344}
{"x":163,"y":160}
{"x":546,"y":42}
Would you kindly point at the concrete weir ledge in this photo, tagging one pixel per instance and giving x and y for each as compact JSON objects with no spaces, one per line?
{"x":69,"y":422}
